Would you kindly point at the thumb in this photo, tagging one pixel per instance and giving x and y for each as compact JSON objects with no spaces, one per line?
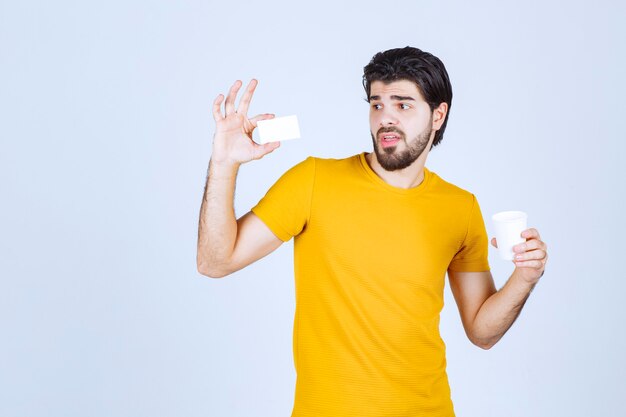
{"x":494,"y":242}
{"x":260,"y":117}
{"x":261,"y":150}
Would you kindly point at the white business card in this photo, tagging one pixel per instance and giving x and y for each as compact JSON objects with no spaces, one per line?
{"x":278,"y":128}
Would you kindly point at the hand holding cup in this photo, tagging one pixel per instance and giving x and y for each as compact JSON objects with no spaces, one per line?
{"x":521,"y":245}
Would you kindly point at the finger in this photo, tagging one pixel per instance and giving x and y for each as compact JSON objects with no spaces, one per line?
{"x":260,"y":117}
{"x":529,"y":264}
{"x":217,"y":108}
{"x":244,"y":103}
{"x":527,"y":256}
{"x":261,"y":150}
{"x":230,"y":99}
{"x":494,"y":242}
{"x":531,"y":233}
{"x":531,"y":244}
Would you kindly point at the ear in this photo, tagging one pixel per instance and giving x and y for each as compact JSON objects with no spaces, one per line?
{"x":439,"y":115}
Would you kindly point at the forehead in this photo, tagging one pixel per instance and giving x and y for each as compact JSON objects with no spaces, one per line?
{"x":395,"y":88}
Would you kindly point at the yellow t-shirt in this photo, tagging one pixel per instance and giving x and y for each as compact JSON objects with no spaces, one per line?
{"x":370,"y":264}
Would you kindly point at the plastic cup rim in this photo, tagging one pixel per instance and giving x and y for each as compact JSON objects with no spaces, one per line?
{"x":515,"y":215}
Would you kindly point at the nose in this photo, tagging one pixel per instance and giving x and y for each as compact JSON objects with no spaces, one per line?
{"x":388,"y":119}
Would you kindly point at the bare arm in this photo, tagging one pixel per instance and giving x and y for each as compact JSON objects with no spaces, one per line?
{"x":224,"y":243}
{"x":488,"y":314}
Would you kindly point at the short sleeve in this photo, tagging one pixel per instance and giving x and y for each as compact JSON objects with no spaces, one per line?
{"x":474,"y":251}
{"x":286,"y":206}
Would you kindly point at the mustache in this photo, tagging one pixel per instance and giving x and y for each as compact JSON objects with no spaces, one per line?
{"x":390,"y":130}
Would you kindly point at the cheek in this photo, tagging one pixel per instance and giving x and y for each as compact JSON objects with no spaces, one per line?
{"x":420,"y":123}
{"x":374,"y":121}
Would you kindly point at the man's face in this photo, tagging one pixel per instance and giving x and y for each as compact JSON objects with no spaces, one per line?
{"x":400,"y":123}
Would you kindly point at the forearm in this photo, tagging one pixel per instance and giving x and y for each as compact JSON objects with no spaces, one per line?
{"x":217,"y":229}
{"x":499,"y":312}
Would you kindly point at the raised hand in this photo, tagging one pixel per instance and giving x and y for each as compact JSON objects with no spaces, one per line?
{"x":232,"y":141}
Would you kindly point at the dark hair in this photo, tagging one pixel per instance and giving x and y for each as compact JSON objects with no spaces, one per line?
{"x":424,"y":69}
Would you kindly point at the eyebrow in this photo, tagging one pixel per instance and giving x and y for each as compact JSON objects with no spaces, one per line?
{"x":394,"y":97}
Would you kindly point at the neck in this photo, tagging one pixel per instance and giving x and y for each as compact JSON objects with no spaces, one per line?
{"x":406,"y":178}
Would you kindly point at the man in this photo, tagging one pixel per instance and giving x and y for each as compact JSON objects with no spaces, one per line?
{"x":375,"y":235}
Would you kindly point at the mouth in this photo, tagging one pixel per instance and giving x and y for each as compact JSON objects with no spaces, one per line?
{"x":389,"y":139}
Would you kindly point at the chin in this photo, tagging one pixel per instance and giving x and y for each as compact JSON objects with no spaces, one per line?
{"x":390,"y":159}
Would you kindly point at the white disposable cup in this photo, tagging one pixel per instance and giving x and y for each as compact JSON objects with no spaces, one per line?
{"x":509,"y":226}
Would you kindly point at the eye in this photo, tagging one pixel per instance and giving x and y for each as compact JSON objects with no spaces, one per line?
{"x":404,"y":106}
{"x":376,"y":106}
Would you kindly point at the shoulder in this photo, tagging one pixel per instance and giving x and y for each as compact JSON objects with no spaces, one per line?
{"x":333,"y":166}
{"x":334,"y":162}
{"x":313,"y":165}
{"x":451,"y":192}
{"x":304,"y":167}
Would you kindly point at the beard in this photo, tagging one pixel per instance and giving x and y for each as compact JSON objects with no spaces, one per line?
{"x":391,"y":159}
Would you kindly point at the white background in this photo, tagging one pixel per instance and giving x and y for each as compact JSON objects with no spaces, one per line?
{"x":106,"y":134}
